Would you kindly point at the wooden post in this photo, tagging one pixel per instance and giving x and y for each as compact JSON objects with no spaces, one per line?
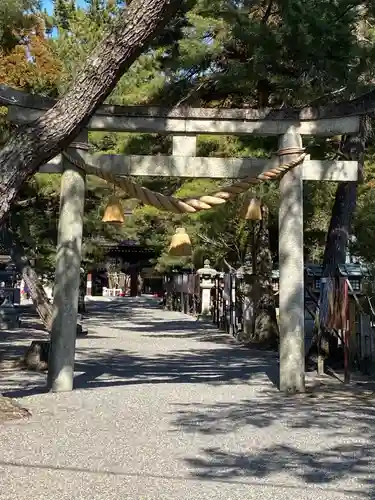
{"x":67,"y":275}
{"x":320,"y":367}
{"x":133,"y":282}
{"x":291,"y":294}
{"x":89,"y":284}
{"x":346,"y":332}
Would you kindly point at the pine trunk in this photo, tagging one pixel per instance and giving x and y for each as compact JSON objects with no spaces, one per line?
{"x":38,"y":295}
{"x":262,"y":329}
{"x":342,"y":212}
{"x":353,"y":148}
{"x":266,"y":329}
{"x":35,"y":144}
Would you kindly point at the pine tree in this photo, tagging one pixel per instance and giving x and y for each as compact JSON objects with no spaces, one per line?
{"x":16,"y":16}
{"x":115,"y":53}
{"x":26,"y":62}
{"x":62,"y":13}
{"x":223,"y":54}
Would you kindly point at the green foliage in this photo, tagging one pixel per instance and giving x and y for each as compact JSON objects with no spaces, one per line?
{"x":365,"y":226}
{"x":26,"y":58}
{"x":16,"y":16}
{"x":36,"y":218}
{"x":77,"y":37}
{"x":63,"y":12}
{"x":260,"y":53}
{"x":215,"y":53}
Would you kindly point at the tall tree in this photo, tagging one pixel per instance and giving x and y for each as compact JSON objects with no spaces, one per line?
{"x":226,"y":54}
{"x":30,"y":64}
{"x":10,"y":240}
{"x":26,"y":62}
{"x":124,"y":42}
{"x":276,"y":54}
{"x":34,"y":144}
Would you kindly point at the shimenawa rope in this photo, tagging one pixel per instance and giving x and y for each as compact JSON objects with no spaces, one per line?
{"x":188,"y":205}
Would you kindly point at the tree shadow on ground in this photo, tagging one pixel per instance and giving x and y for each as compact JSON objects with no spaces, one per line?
{"x":12,"y":342}
{"x":320,"y":439}
{"x":226,"y":362}
{"x":209,"y":366}
{"x":202,"y":335}
{"x":173,"y":327}
{"x":331,"y":433}
{"x":129,"y":308}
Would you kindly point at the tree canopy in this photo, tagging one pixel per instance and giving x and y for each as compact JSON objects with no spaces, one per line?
{"x":217,"y":53}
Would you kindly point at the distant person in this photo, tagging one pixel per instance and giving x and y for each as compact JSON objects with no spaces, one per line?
{"x":2,"y":293}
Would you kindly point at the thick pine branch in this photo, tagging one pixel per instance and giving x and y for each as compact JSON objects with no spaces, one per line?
{"x":37,"y":143}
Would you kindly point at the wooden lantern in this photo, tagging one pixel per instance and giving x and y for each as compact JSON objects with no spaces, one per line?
{"x":180,"y":245}
{"x":253,"y":209}
{"x":114,"y":212}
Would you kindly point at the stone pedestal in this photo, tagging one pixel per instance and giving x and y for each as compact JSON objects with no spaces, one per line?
{"x":207,"y":275}
{"x":251,"y":295}
{"x":9,"y":317}
{"x":206,"y":286}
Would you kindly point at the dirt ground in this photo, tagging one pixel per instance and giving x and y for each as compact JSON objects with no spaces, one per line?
{"x":13,"y":344}
{"x":10,"y":410}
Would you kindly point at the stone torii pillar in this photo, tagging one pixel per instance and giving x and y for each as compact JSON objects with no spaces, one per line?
{"x":67,"y":274}
{"x":291,"y":267}
{"x":291,"y":257}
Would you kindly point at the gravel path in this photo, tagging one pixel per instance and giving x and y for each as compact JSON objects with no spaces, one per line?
{"x":166,"y":409}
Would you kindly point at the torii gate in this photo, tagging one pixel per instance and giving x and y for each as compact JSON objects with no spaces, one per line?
{"x":184,"y":124}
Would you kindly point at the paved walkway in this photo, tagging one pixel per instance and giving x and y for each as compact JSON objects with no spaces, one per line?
{"x":167,"y":409}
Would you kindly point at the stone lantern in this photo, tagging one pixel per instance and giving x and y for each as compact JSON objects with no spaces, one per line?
{"x":207,"y":281}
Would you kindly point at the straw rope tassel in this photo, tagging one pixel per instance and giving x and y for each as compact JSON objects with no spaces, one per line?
{"x":114,"y":212}
{"x":180,"y":245}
